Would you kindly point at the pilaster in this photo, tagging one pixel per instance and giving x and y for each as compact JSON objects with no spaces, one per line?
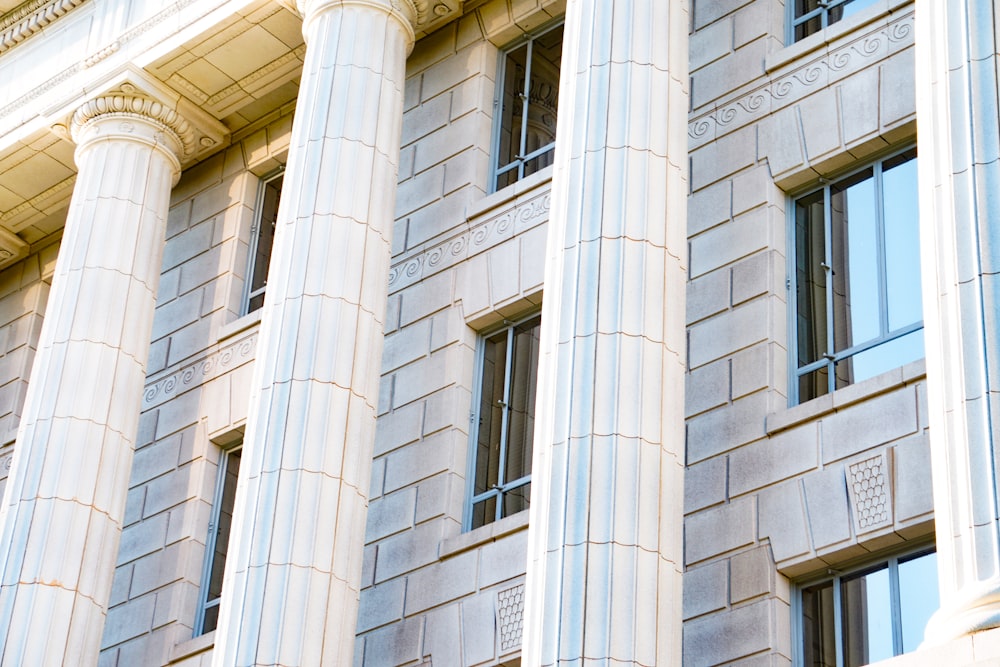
{"x":605,"y":546}
{"x":959,"y":173}
{"x":292,"y":579}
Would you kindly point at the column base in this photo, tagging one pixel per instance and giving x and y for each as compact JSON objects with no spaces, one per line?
{"x":977,"y":609}
{"x":981,"y":648}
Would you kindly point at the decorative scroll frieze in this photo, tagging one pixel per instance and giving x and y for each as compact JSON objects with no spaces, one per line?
{"x":207,"y":368}
{"x":814,"y":75}
{"x":520,"y":216}
{"x":30,"y":19}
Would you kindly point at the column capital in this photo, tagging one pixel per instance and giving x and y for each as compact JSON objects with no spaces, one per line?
{"x":410,"y":12}
{"x":142,"y":108}
{"x":129,"y":114}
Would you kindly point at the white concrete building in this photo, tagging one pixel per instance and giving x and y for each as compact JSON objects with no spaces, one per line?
{"x":499,"y":332}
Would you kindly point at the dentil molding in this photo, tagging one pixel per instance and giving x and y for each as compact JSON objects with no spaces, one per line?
{"x":30,"y":18}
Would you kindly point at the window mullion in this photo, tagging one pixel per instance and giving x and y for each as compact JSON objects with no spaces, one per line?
{"x":525,"y":97}
{"x":828,"y":273}
{"x":894,"y":606}
{"x":838,"y":626}
{"x":883,"y":280}
{"x":508,"y":371}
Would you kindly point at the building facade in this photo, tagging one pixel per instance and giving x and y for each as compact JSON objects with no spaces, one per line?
{"x":498,"y":332}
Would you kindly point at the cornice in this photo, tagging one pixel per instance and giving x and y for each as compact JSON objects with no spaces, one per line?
{"x":30,"y":18}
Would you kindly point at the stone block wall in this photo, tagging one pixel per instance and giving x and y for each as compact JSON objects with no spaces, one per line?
{"x":464,"y":261}
{"x":770,"y":492}
{"x":195,"y":403}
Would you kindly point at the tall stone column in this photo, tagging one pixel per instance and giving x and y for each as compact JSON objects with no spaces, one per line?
{"x":959,"y":174}
{"x":65,"y":499}
{"x":292,"y":579}
{"x":605,"y":542}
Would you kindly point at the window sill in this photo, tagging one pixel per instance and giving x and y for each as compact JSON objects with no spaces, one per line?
{"x":820,"y":40}
{"x":192,"y":647}
{"x":841,"y":398}
{"x":240,"y":325}
{"x":509,"y":193}
{"x":477,"y":537}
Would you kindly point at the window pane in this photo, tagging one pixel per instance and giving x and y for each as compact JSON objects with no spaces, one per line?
{"x":491,"y":412}
{"x":543,"y":97}
{"x":847,"y":9}
{"x":528,"y":102}
{"x":918,"y":597}
{"x":512,"y":105}
{"x":882,"y":358}
{"x":484,"y":512}
{"x":810,"y":278}
{"x":902,"y":241}
{"x":818,"y":641}
{"x":211,"y":619}
{"x":854,"y":241}
{"x":814,"y":384}
{"x":808,"y":27}
{"x":516,"y":500}
{"x":267,"y":219}
{"x":223,"y":525}
{"x":522,"y":400}
{"x":866,"y":617}
{"x":803,"y":7}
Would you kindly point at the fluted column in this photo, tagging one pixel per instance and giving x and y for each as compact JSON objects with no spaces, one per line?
{"x":65,"y":499}
{"x":605,"y":543}
{"x":292,"y":579}
{"x":959,"y":174}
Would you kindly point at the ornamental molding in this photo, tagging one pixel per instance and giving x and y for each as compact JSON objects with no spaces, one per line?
{"x":131,"y":93}
{"x":130,"y":102}
{"x":30,"y":18}
{"x":510,"y":617}
{"x":517,"y":217}
{"x":424,"y":16}
{"x":780,"y":91}
{"x":869,"y":485}
{"x":207,"y":368}
{"x":204,"y":6}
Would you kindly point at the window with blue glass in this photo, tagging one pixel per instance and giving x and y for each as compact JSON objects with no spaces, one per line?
{"x":504,"y":422}
{"x":856,"y":278}
{"x":810,"y":16}
{"x":867,"y":614}
{"x":524,"y":132}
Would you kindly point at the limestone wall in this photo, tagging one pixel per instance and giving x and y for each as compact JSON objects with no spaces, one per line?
{"x":768,"y":498}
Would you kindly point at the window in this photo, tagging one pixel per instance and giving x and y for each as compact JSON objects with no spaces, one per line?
{"x":809,"y":16}
{"x":505,"y":415}
{"x":217,"y":544}
{"x":525,"y":128}
{"x":261,"y":241}
{"x":856,"y":278}
{"x":869,"y":614}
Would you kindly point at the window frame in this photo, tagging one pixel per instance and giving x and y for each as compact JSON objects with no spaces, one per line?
{"x":517,"y":164}
{"x":249,"y":293}
{"x":830,"y":360}
{"x":855,"y":568}
{"x":504,"y":486}
{"x":822,"y":12}
{"x":204,"y":604}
